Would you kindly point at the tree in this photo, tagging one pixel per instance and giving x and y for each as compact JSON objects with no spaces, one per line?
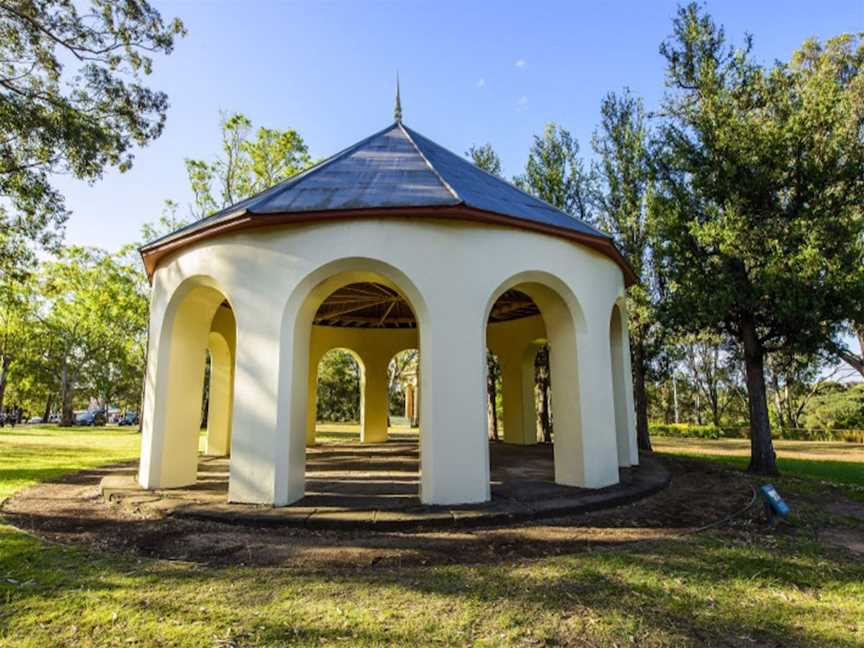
{"x":842,"y":350}
{"x":338,"y":388}
{"x":247,"y":165}
{"x":761,"y":219}
{"x":625,"y":209}
{"x":486,"y":158}
{"x":555,"y":173}
{"x":72,"y":100}
{"x":94,"y":327}
{"x":17,"y":312}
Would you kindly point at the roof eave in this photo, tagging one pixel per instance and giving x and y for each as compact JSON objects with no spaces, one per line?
{"x":153,"y":252}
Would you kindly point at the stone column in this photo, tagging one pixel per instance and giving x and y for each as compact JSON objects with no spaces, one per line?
{"x":597,"y":441}
{"x":221,"y":398}
{"x":517,"y":383}
{"x":409,"y":403}
{"x":454,"y":448}
{"x":221,"y":344}
{"x":373,"y":427}
{"x":261,"y":463}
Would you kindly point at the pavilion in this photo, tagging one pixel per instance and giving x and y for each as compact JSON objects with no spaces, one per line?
{"x":394,"y":243}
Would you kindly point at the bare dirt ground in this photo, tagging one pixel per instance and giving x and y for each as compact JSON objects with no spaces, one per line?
{"x":70,"y":510}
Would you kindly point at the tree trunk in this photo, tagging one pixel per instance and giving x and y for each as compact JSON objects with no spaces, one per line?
{"x":4,"y":372}
{"x":544,"y":382}
{"x":763,"y":461}
{"x":492,"y":391}
{"x":65,"y":398}
{"x":640,"y":397}
{"x":48,"y":403}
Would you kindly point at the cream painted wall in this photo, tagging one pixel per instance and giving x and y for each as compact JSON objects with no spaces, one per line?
{"x":451,"y":273}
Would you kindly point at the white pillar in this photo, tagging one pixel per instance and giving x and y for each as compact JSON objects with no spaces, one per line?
{"x":454,"y":448}
{"x":517,"y":383}
{"x":622,"y":388}
{"x":374,"y":401}
{"x":221,"y":398}
{"x":598,"y":440}
{"x":258,"y":457}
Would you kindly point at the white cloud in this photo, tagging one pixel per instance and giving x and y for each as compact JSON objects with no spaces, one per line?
{"x":521,"y":103}
{"x":481,"y":82}
{"x":521,"y":64}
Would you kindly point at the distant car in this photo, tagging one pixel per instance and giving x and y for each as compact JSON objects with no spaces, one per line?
{"x":35,"y":419}
{"x":54,"y":418}
{"x":129,"y":418}
{"x":90,"y":417}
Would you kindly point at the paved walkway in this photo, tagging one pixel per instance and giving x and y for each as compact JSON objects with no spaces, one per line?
{"x":354,"y":486}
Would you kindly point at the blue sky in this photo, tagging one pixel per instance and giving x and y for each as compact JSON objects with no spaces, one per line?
{"x":472,"y":72}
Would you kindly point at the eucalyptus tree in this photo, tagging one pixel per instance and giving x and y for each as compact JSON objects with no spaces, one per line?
{"x":556,"y":173}
{"x":761,"y":217}
{"x":72,"y":100}
{"x":247,"y":164}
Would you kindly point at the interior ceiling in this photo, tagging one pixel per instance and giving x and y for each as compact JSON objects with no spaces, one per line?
{"x":371,"y":305}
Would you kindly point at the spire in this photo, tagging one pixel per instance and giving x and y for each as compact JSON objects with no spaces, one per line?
{"x":397,"y":112}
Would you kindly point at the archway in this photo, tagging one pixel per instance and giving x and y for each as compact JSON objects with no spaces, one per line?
{"x":338,"y":396}
{"x":525,"y":313}
{"x":403,"y":394}
{"x":357,"y":304}
{"x":197,"y":320}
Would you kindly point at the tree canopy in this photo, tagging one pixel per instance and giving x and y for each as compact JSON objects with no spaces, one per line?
{"x":761,"y":219}
{"x":72,"y":101}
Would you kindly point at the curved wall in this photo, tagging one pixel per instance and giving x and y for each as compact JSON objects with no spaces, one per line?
{"x":450,"y":272}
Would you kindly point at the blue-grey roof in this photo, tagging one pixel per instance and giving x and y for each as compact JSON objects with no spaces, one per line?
{"x":395,"y":167}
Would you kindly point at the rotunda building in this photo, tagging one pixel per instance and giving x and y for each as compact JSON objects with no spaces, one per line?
{"x":394,"y":243}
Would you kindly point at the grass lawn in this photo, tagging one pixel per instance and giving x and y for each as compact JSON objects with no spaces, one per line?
{"x":738,"y":587}
{"x":842,"y":463}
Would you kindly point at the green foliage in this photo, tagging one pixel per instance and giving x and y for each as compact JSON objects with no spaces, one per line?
{"x":693,"y":431}
{"x":839,"y":408}
{"x":338,"y":388}
{"x":246,"y":166}
{"x":71,"y":100}
{"x":92,"y":329}
{"x":486,"y":158}
{"x":761,"y":170}
{"x":555,"y":173}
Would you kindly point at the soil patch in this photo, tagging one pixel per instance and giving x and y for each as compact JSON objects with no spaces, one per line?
{"x":71,"y":510}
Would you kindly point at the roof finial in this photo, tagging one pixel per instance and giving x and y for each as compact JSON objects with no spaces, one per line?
{"x":397,"y":112}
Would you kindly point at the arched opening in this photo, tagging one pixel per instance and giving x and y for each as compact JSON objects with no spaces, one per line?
{"x":338,"y":396}
{"x":403,"y":393}
{"x":372,"y":315}
{"x":198,"y":324}
{"x":494,"y":396}
{"x":533,"y":330}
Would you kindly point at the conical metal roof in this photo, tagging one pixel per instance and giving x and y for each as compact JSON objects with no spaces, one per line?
{"x":394,"y":170}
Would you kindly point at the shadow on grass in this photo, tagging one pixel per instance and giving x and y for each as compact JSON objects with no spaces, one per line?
{"x":703,"y":590}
